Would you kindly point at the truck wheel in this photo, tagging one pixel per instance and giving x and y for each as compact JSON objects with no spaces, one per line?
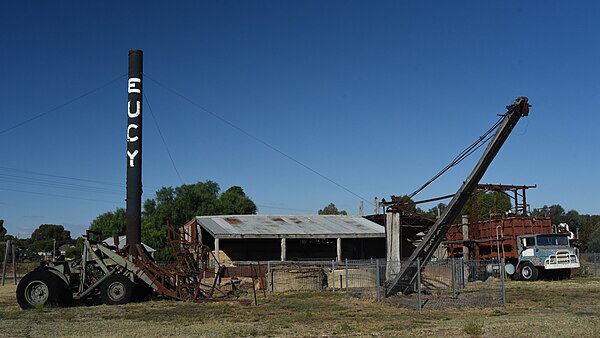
{"x":116,"y":289}
{"x":42,"y":287}
{"x":528,"y":272}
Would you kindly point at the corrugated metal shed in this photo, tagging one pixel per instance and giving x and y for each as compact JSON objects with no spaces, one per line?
{"x":276,"y":226}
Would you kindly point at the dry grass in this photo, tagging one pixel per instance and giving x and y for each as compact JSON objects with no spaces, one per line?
{"x":537,"y":309}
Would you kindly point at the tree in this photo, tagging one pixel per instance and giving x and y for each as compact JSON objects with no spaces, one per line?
{"x":555,"y":212}
{"x":2,"y":230}
{"x":43,"y":237}
{"x":331,"y":209}
{"x":489,"y":203}
{"x":110,"y":223}
{"x":235,"y":201}
{"x":178,"y":205}
{"x":436,"y":211}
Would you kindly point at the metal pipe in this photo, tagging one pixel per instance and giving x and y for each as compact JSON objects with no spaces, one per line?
{"x":134,"y":150}
{"x":14,"y":262}
{"x":6,"y":252}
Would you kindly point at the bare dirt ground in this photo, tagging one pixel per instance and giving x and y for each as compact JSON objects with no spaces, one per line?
{"x":568,"y":308}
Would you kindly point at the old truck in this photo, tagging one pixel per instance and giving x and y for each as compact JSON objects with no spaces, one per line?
{"x":544,"y":254}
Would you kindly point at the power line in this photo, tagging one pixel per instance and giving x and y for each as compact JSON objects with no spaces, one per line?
{"x":162,"y":138}
{"x":60,"y":106}
{"x":257,"y":139}
{"x":61,"y":196}
{"x":53,"y":184}
{"x":58,"y":182}
{"x":63,"y":177}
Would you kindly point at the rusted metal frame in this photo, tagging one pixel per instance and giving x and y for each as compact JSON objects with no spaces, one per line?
{"x":503,"y":187}
{"x":435,"y":235}
{"x":181,"y":279}
{"x":417,"y":202}
{"x":95,"y":285}
{"x":398,"y":208}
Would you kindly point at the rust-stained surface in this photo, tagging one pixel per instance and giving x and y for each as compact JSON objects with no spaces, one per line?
{"x":189,"y":277}
{"x":490,"y":237}
{"x":281,"y":226}
{"x":496,"y":236}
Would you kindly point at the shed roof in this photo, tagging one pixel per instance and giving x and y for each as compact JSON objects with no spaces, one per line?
{"x":278,"y":226}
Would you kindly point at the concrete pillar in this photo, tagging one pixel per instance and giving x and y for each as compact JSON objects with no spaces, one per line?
{"x":392,"y":243}
{"x":339,"y":250}
{"x":283,"y":250}
{"x":217,"y":250}
{"x":465,"y":233}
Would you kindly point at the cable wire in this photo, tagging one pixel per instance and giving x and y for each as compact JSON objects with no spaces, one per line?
{"x":60,"y":105}
{"x":257,"y":139}
{"x":464,"y":154}
{"x":162,"y":138}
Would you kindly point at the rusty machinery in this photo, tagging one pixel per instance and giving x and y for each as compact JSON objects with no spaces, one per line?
{"x":118,"y":276}
{"x":404,"y":279}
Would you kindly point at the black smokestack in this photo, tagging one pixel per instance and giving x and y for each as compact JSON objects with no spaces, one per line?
{"x":134,"y":149}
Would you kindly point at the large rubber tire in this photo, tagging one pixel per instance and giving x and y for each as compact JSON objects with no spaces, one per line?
{"x":528,"y":272}
{"x":41,"y":287}
{"x":116,"y":289}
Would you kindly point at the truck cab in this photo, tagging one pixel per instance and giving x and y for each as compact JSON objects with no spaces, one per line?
{"x":549,"y":254}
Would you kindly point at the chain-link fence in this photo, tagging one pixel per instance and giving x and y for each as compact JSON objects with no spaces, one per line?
{"x":590,"y":264}
{"x":438,"y":284}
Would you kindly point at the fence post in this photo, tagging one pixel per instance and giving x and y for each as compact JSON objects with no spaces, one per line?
{"x":332,"y":275}
{"x":6,"y":251}
{"x":453,"y":278}
{"x":14,"y":262}
{"x":269,"y":282}
{"x":462,"y":272}
{"x":419,"y":284}
{"x":346,"y":274}
{"x":503,"y":280}
{"x":378,"y":281}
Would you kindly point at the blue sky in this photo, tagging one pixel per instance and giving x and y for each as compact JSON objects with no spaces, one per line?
{"x":378,"y":96}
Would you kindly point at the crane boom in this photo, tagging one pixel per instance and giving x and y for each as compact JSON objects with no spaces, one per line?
{"x":405,"y":278}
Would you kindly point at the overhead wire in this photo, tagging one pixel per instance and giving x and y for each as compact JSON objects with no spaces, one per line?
{"x":33,"y":118}
{"x":61,"y":196}
{"x":462,"y":155}
{"x":162,"y":138}
{"x":63,"y":181}
{"x":257,"y":139}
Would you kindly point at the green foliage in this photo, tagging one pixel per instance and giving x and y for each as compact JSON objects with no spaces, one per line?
{"x":435,"y":211}
{"x":555,"y":212}
{"x":110,"y":223}
{"x":235,"y":201}
{"x":77,"y":248}
{"x":179,"y":205}
{"x":3,"y":231}
{"x":588,"y":226}
{"x":594,"y":244}
{"x":331,"y":209}
{"x":43,"y":237}
{"x":490,"y":203}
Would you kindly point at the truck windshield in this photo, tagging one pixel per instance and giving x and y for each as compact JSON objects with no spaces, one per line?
{"x":552,"y":240}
